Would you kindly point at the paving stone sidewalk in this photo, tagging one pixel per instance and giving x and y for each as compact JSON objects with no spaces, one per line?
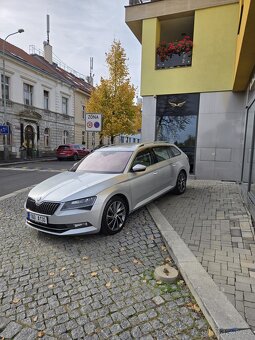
{"x":89,"y":287}
{"x":213,"y":221}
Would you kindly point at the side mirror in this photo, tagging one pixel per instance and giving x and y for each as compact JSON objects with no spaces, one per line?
{"x":139,"y":168}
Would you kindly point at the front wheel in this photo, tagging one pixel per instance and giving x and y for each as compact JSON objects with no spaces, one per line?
{"x":181,"y":183}
{"x":75,"y":157}
{"x":114,"y":216}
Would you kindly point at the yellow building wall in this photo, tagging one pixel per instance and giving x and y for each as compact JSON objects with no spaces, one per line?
{"x":213,"y":56}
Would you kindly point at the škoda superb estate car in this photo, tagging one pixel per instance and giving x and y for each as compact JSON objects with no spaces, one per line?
{"x":99,"y":192}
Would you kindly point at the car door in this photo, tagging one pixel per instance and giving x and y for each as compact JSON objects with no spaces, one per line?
{"x":144,"y":185}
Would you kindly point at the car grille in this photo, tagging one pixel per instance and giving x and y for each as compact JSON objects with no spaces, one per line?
{"x":47,"y":208}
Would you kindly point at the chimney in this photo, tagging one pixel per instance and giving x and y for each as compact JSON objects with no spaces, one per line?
{"x":47,"y":48}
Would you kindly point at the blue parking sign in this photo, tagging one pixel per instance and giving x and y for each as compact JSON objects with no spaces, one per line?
{"x":4,"y":129}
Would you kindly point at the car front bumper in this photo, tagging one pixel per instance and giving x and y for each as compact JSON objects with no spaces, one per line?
{"x":69,"y":222}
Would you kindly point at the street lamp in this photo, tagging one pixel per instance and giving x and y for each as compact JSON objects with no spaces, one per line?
{"x":6,"y":151}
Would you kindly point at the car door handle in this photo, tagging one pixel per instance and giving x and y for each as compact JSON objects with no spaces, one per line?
{"x":155,"y":173}
{"x":174,"y":164}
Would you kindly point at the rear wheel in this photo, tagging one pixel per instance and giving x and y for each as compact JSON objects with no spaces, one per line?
{"x":114,"y":216}
{"x":181,"y":183}
{"x":75,"y":157}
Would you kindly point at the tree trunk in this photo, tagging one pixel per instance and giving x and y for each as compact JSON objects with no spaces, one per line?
{"x":112,"y":139}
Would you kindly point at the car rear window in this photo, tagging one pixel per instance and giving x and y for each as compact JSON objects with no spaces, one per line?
{"x":105,"y":162}
{"x":63,"y":147}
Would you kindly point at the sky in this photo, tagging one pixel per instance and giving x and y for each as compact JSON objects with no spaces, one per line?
{"x":79,"y":29}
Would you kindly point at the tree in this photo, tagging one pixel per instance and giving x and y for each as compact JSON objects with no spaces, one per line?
{"x":114,"y":97}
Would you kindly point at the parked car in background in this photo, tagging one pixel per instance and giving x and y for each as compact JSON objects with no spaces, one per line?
{"x":71,"y":151}
{"x":99,"y":192}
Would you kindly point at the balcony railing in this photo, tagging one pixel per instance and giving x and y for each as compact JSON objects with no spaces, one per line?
{"x":140,"y":2}
{"x":182,"y":60}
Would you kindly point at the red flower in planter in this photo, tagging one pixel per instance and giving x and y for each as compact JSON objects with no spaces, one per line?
{"x":166,"y":50}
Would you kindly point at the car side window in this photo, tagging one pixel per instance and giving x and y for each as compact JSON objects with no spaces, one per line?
{"x":76,"y":146}
{"x":161,"y":153}
{"x":144,"y":158}
{"x":174,"y":151}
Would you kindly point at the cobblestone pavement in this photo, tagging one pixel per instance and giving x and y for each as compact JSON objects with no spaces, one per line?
{"x":89,"y":287}
{"x":213,"y":221}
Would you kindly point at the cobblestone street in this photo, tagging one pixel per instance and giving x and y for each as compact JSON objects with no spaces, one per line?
{"x":89,"y":287}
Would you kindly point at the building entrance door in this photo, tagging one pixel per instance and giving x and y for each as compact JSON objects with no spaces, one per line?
{"x":29,"y":140}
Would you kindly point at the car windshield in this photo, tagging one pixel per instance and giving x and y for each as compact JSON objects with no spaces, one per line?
{"x":104,"y":162}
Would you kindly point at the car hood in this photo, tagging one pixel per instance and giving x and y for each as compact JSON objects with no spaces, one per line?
{"x":72,"y":185}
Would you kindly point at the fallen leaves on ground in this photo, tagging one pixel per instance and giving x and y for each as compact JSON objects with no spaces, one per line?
{"x":40,"y":334}
{"x":163,"y":248}
{"x":35,"y":318}
{"x":51,"y":286}
{"x":116,"y":270}
{"x":210,"y":333}
{"x":71,"y":274}
{"x":193,"y":306}
{"x":108,"y":285}
{"x":93,"y":274}
{"x":51,"y":273}
{"x":136,"y":261}
{"x":16,"y":300}
{"x":85,"y":258}
{"x":62,"y":269}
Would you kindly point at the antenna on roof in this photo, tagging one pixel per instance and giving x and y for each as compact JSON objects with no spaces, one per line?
{"x":90,"y":78}
{"x":48,"y":28}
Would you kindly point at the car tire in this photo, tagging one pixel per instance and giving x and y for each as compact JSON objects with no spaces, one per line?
{"x":75,"y":157}
{"x":114,"y":216}
{"x":181,"y":183}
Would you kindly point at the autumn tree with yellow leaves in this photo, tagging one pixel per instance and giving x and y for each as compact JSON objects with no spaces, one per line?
{"x":114,"y":97}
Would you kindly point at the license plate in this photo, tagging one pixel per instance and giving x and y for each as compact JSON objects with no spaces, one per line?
{"x":37,"y":218}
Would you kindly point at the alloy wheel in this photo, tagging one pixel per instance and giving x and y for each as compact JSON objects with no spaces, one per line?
{"x":116,"y":215}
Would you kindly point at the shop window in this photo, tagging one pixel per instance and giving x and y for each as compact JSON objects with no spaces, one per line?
{"x":176,"y":122}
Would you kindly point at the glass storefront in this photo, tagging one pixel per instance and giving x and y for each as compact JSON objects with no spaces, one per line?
{"x":176,"y":122}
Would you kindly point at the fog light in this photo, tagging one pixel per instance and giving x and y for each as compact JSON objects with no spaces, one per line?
{"x":81,"y":225}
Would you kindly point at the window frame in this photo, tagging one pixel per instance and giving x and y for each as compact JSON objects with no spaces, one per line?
{"x":64,"y":105}
{"x":46,"y":100}
{"x":28,"y":95}
{"x":7,"y":87}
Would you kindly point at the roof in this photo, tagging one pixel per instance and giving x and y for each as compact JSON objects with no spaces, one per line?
{"x":41,"y":64}
{"x":131,"y":146}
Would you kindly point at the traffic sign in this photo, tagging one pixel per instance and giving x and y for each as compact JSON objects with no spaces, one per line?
{"x":93,"y":122}
{"x":4,"y":129}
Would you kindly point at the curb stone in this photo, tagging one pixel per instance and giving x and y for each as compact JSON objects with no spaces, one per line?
{"x":219,"y":312}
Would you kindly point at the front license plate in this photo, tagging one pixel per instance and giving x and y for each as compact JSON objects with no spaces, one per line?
{"x":37,"y":218}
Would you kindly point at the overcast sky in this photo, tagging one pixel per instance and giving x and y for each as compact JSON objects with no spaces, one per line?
{"x":79,"y":29}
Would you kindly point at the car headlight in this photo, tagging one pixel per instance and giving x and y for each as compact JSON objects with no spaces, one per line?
{"x":83,"y":203}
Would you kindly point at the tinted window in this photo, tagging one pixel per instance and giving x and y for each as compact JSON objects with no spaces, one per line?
{"x":63,"y":147}
{"x":76,"y":146}
{"x":161,"y":153}
{"x":174,"y":151}
{"x":144,"y":158}
{"x":105,"y":162}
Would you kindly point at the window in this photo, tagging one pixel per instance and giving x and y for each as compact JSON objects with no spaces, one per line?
{"x":65,"y":137}
{"x":161,"y":153}
{"x":7,"y":84}
{"x":144,"y":158}
{"x":46,"y":100}
{"x":174,"y":151}
{"x":64,"y":105}
{"x":83,"y":111}
{"x":28,"y":94}
{"x":47,"y":137}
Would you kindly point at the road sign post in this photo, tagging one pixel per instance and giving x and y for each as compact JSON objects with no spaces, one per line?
{"x":93,"y":122}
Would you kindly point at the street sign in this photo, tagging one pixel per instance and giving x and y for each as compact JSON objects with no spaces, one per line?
{"x":4,"y":129}
{"x":93,"y":122}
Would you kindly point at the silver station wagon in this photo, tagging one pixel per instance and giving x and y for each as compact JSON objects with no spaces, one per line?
{"x":99,"y":192}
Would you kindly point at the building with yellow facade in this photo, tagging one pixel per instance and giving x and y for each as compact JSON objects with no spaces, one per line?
{"x":197,"y":60}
